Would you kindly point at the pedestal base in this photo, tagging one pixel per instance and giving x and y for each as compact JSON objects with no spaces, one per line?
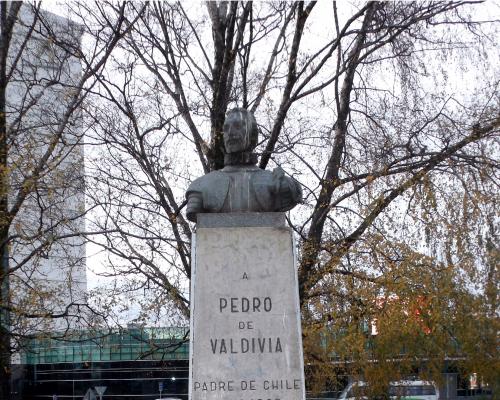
{"x":245,"y":320}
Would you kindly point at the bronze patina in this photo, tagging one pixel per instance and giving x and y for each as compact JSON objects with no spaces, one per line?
{"x":241,"y":186}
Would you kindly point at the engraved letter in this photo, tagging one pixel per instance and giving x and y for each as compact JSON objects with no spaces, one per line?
{"x":234,"y":307}
{"x":213,"y":344}
{"x":245,"y":304}
{"x":256,"y":304}
{"x":222,"y":303}
{"x":267,"y":304}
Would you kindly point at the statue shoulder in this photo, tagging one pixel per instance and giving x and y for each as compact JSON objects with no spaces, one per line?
{"x":213,"y":188}
{"x":275,"y":191}
{"x":208,"y":182}
{"x":262,"y":177}
{"x":288,"y":191}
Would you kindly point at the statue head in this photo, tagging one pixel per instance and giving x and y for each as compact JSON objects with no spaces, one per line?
{"x":240,"y":131}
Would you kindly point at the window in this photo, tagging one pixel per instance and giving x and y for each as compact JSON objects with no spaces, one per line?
{"x":417,"y":390}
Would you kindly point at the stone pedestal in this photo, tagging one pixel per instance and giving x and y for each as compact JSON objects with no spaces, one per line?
{"x":245,"y":321}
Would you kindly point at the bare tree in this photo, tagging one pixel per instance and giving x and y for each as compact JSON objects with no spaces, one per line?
{"x":44,"y":78}
{"x":399,"y":164}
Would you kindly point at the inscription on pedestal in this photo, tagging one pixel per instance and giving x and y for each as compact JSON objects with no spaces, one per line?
{"x":245,"y":330}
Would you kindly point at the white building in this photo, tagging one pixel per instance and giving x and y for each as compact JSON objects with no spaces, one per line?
{"x":46,"y":256}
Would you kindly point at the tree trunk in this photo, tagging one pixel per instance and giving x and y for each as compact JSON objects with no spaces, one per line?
{"x":4,"y":264}
{"x":8,"y":15}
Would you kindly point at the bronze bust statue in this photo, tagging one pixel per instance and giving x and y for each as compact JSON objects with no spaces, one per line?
{"x":241,"y":186}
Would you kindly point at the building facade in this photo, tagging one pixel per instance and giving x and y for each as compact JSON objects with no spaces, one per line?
{"x":131,"y":364}
{"x":46,"y":164}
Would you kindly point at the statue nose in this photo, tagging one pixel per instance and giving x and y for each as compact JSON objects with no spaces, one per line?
{"x":233,"y":132}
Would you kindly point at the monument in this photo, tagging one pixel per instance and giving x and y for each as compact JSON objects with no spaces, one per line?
{"x":245,"y":319}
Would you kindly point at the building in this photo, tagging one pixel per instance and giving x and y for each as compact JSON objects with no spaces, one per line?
{"x":44,"y":263}
{"x":45,"y":154}
{"x":131,"y":364}
{"x":135,"y":363}
{"x":47,"y":264}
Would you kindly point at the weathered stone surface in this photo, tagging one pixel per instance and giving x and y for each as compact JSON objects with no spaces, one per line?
{"x":245,"y":330}
{"x":243,"y":219}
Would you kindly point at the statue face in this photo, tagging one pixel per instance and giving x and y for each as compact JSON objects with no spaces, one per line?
{"x":236,"y":133}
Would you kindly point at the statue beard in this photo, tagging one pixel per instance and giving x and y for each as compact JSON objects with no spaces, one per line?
{"x":242,"y":158}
